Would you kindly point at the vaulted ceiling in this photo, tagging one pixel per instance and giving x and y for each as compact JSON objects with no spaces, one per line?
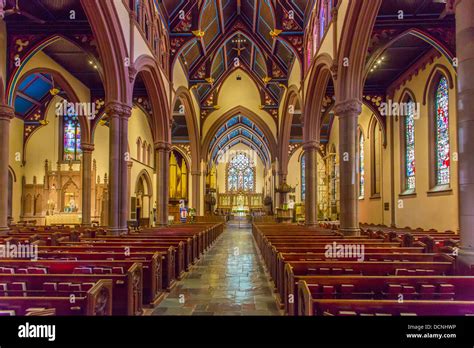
{"x":406,"y":32}
{"x":212,"y":38}
{"x":240,"y":130}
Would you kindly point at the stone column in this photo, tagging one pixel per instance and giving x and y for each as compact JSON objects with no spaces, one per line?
{"x":348,"y":113}
{"x":86,"y":182}
{"x":118,"y":114}
{"x":124,"y":207}
{"x":162,"y":150}
{"x":196,"y":176}
{"x":465,"y":55}
{"x":129,"y":187}
{"x":311,"y":182}
{"x":6,"y":114}
{"x":282,"y":197}
{"x":273,"y":191}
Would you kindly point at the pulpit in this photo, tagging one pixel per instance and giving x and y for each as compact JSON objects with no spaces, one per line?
{"x":285,"y":215}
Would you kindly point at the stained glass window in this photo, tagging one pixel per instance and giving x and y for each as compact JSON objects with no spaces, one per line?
{"x":322,"y":19}
{"x":240,"y":174}
{"x":303,"y":177}
{"x":410,"y":146}
{"x":137,"y":9}
{"x":442,"y":133}
{"x":315,"y":38}
{"x":309,"y":53}
{"x":361,"y":166}
{"x":71,"y":138}
{"x":330,"y":5}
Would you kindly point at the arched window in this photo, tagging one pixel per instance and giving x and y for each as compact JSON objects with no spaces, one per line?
{"x":137,"y":10}
{"x":71,"y":138}
{"x":361,"y":165}
{"x":139,"y":149}
{"x":330,"y":6}
{"x":148,"y":155}
{"x":309,"y":53}
{"x":442,"y":149}
{"x":376,"y":158}
{"x":146,"y":27}
{"x":240,"y":174}
{"x":322,"y":18}
{"x":315,"y":38}
{"x":144,"y":152}
{"x":303,"y":177}
{"x":408,"y":143}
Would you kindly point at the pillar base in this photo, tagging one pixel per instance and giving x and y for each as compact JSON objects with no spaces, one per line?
{"x":465,"y":261}
{"x":116,"y":231}
{"x":4,"y":231}
{"x":350,"y":231}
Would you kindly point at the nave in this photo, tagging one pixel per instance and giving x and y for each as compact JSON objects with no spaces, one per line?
{"x":147,"y":126}
{"x":229,"y":280}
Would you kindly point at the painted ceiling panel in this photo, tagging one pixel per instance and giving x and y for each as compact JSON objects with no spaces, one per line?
{"x":266,"y":21}
{"x":210,"y":21}
{"x":31,"y":92}
{"x":237,"y":32}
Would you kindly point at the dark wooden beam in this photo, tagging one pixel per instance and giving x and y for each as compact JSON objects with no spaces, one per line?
{"x":214,"y":47}
{"x":31,"y":100}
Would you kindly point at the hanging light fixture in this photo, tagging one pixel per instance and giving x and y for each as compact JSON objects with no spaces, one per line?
{"x":53,"y":91}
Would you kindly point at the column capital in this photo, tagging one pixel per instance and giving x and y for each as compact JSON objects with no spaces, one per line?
{"x":118,"y":109}
{"x":196,"y":173}
{"x":163,"y":146}
{"x":129,"y":164}
{"x":87,"y":147}
{"x":311,"y":145}
{"x":351,"y":107}
{"x":6,"y":112}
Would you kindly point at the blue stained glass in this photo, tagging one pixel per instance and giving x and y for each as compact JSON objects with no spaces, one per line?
{"x":220,"y":132}
{"x":232,"y":121}
{"x":71,"y":138}
{"x":442,"y":133}
{"x":246,"y":133}
{"x":361,"y":166}
{"x":247,"y":122}
{"x":410,"y":146}
{"x":303,"y":177}
{"x":234,"y":133}
{"x":240,"y":174}
{"x":322,"y":20}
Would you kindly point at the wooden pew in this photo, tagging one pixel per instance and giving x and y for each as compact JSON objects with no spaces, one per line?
{"x":97,"y":301}
{"x":353,"y":307}
{"x":151,"y":267}
{"x":296,"y":269}
{"x":453,"y":288}
{"x":127,"y":289}
{"x":283,"y":258}
{"x":168,"y":256}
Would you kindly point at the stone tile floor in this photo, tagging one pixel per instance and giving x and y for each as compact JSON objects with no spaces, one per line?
{"x":228,"y":280}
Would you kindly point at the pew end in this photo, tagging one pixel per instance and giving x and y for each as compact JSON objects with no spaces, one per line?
{"x":305,"y":307}
{"x":99,"y":299}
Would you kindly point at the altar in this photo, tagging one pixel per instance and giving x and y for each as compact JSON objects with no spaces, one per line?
{"x":239,"y":203}
{"x":68,"y":219}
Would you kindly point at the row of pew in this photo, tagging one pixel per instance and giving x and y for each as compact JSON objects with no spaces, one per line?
{"x":84,"y":271}
{"x":371,"y":274}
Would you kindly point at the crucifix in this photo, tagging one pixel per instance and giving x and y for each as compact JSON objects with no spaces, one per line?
{"x":239,"y":47}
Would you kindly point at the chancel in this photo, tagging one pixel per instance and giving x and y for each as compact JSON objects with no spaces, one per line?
{"x":258,"y":157}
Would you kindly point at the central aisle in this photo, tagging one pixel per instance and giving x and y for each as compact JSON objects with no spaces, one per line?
{"x":228,"y":280}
